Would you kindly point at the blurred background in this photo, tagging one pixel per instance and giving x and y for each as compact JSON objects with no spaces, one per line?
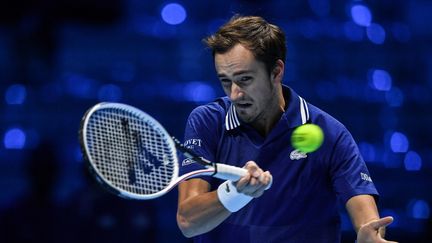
{"x":368,"y":63}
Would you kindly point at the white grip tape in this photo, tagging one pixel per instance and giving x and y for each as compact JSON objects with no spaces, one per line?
{"x":230,"y":198}
{"x":229,"y":172}
{"x":233,"y":173}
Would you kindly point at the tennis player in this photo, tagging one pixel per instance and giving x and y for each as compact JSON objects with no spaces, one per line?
{"x":251,"y":127}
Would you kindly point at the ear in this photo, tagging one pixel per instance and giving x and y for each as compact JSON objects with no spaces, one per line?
{"x":278,"y":71}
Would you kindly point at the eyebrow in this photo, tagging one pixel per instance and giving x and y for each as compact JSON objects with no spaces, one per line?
{"x":240,"y":72}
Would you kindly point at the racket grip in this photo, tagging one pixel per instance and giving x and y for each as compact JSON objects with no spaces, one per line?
{"x":229,"y":172}
{"x":233,"y":173}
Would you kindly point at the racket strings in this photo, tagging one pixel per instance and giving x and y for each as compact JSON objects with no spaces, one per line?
{"x":130,"y":152}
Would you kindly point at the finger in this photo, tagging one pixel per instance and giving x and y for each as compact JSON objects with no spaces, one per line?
{"x":257,"y":191}
{"x":262,"y":181}
{"x":257,"y":186}
{"x":251,"y":187}
{"x":382,"y":231}
{"x":265,"y":178}
{"x":243,"y":182}
{"x":382,"y":222}
{"x":253,"y":169}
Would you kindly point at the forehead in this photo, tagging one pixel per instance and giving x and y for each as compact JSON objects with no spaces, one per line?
{"x":236,"y":59}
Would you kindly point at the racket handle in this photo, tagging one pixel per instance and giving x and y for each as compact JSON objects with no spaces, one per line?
{"x":233,"y":173}
{"x":229,"y":172}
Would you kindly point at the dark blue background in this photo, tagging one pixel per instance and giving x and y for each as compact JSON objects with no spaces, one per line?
{"x":368,"y":63}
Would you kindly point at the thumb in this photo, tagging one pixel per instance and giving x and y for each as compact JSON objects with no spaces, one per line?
{"x":382,"y":222}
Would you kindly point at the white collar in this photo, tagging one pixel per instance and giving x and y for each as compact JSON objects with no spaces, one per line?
{"x":231,"y":119}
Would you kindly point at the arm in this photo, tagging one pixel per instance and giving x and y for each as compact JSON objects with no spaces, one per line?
{"x":200,"y":210}
{"x":362,"y":209}
{"x":365,"y":219}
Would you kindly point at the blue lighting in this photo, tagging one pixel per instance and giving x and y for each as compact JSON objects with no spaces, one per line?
{"x":15,"y":94}
{"x":419,"y":94}
{"x":163,"y":31}
{"x":388,"y":120}
{"x":367,"y":151}
{"x":353,"y":32}
{"x":320,"y":7}
{"x":214,"y":25}
{"x":391,"y":160}
{"x":309,"y":28}
{"x":376,"y":34}
{"x":361,"y":15}
{"x":173,"y":14}
{"x":401,"y":32}
{"x":77,"y":154}
{"x":14,"y":138}
{"x":109,"y":92}
{"x":198,"y":92}
{"x":381,"y":80}
{"x":413,"y":161}
{"x":143,"y":24}
{"x":418,"y":209}
{"x":107,"y":221}
{"x":395,"y":97}
{"x":326,"y":90}
{"x":32,"y":138}
{"x":346,"y":224}
{"x":399,"y":142}
{"x":51,"y":92}
{"x":123,"y":71}
{"x":80,"y":86}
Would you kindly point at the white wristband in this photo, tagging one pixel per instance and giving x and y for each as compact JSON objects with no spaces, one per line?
{"x":230,"y":198}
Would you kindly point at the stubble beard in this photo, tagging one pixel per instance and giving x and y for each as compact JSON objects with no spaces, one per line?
{"x":269,"y":104}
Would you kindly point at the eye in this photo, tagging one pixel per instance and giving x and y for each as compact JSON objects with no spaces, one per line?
{"x":245,"y":79}
{"x":225,"y":82}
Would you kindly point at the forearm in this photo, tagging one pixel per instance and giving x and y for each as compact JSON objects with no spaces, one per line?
{"x":200,"y":214}
{"x":362,"y":209}
{"x":201,"y":210}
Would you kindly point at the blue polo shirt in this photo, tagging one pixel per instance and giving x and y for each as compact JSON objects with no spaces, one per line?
{"x":301,"y":205}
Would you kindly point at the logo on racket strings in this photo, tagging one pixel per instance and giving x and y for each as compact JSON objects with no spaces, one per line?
{"x":144,"y":160}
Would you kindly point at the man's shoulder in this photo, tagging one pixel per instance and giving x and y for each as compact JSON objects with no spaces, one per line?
{"x":332,"y":127}
{"x":320,"y":116}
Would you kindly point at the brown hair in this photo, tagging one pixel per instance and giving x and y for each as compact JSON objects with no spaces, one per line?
{"x":265,"y":41}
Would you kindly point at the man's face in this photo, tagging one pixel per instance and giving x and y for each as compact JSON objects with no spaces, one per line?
{"x":246,"y":82}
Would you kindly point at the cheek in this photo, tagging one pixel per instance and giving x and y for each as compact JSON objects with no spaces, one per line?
{"x":226,"y":89}
{"x":262,"y":93}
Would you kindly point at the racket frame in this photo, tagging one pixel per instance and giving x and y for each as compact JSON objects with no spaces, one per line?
{"x":221,"y":171}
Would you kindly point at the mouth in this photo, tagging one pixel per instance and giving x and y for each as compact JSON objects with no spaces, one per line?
{"x":243,"y":105}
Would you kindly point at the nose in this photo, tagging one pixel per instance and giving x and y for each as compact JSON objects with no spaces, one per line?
{"x":236,"y":92}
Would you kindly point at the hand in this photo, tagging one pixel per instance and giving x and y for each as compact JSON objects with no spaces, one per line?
{"x":373,"y":231}
{"x":255,"y":182}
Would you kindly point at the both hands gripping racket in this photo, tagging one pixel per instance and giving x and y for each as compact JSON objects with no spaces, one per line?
{"x":133,"y":156}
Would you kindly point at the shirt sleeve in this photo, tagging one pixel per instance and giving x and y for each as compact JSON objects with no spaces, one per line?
{"x":200,"y":137}
{"x":349,"y":173}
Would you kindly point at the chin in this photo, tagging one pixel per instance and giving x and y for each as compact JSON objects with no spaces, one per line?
{"x":247,"y":119}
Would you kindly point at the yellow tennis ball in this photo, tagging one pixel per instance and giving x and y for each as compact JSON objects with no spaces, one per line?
{"x":307,"y":138}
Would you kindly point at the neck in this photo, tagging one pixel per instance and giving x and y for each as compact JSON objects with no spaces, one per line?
{"x":270,"y":118}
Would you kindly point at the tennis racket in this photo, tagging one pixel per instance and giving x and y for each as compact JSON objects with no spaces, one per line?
{"x":132,"y":155}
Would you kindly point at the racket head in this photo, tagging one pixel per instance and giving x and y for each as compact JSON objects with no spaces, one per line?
{"x":128,"y":152}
